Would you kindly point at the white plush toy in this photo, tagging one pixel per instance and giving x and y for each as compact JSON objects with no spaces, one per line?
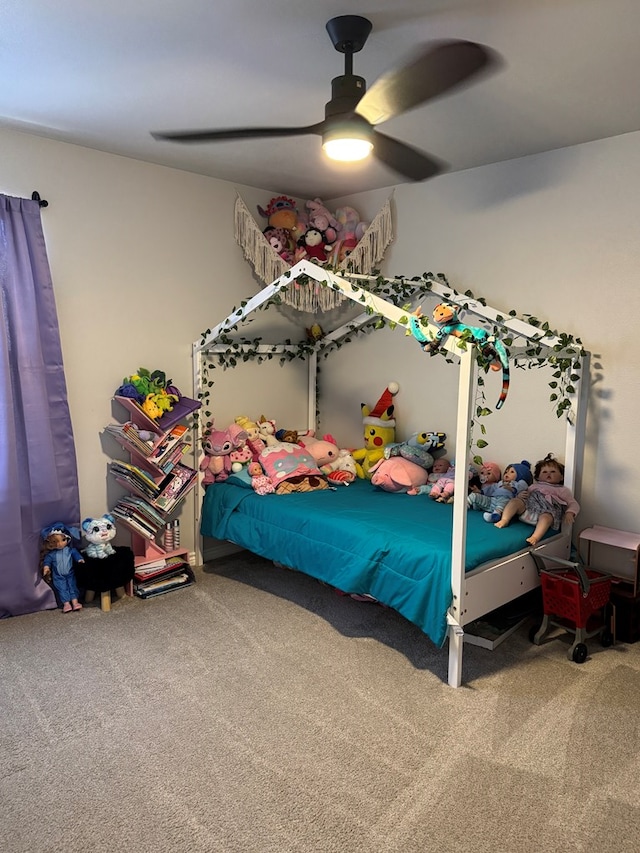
{"x":99,"y":532}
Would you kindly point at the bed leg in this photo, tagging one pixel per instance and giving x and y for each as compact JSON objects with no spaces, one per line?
{"x":456,"y":644}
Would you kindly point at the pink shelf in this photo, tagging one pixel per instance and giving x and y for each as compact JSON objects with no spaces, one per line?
{"x":184,"y":407}
{"x":146,"y":548}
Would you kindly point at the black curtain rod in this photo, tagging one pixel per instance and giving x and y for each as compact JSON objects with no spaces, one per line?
{"x":35,"y":196}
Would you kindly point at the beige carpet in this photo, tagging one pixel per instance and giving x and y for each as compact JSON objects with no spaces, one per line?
{"x":260,"y":712}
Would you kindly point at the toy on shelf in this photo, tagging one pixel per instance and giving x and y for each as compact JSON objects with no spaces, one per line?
{"x":282,"y":212}
{"x":280,"y":241}
{"x":320,"y":217}
{"x":157,"y":398}
{"x":379,"y":431}
{"x":58,"y":558}
{"x":313,"y":245}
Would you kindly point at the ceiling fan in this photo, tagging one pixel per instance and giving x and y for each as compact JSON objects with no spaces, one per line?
{"x":348,"y":130}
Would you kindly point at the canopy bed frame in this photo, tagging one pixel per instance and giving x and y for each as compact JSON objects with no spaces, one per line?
{"x":495,"y":583}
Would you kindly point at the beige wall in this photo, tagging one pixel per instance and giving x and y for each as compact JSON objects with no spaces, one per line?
{"x":143,"y":260}
{"x":553,"y":235}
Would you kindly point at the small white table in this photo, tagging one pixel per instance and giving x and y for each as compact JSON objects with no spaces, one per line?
{"x":627,"y":565}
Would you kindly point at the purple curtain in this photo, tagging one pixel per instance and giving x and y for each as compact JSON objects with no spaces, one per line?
{"x":38,"y":473}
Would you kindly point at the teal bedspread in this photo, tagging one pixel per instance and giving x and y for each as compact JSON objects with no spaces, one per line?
{"x":361,"y":539}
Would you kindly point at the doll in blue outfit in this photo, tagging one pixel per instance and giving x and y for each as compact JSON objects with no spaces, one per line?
{"x":57,"y":560}
{"x":493,"y":497}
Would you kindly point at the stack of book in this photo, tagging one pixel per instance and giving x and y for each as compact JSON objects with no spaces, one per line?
{"x":128,"y":435}
{"x":139,"y":516}
{"x":164,"y":494}
{"x":157,"y":456}
{"x":163,"y":575}
{"x":171,"y":448}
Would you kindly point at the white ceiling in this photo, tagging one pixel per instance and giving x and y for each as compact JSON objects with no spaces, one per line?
{"x":105,"y":75}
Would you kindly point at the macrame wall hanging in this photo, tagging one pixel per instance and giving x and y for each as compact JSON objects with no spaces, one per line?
{"x":309,"y":296}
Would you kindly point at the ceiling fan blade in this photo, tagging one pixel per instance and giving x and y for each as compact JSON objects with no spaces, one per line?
{"x":235,"y":133}
{"x":430,"y":72}
{"x":404,"y":159}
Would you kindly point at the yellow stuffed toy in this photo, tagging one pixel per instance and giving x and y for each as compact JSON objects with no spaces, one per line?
{"x":379,"y":430}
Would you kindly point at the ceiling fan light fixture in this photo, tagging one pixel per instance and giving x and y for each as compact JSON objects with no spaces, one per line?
{"x":347,"y":146}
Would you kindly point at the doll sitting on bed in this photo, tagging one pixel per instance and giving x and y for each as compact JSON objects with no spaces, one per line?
{"x":438,"y":470}
{"x":494,"y":496}
{"x":545,"y":504}
{"x":442,"y":490}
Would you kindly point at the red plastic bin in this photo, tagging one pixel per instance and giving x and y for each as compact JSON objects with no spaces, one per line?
{"x":562,"y":595}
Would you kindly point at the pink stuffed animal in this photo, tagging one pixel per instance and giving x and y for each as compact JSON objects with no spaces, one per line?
{"x":324,"y":450}
{"x":218,"y":446}
{"x":320,"y":217}
{"x":397,"y":474}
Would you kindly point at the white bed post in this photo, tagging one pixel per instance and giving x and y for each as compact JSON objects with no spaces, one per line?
{"x":576,"y":427}
{"x":196,"y":434}
{"x":466,"y":395}
{"x":313,"y":392}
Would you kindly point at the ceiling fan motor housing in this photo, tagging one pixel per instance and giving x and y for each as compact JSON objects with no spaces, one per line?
{"x":346,"y":91}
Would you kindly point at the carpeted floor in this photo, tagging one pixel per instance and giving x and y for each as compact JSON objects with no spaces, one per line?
{"x":261,"y":712}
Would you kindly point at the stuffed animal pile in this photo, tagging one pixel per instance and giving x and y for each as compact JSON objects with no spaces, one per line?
{"x":152,"y":390}
{"x":272,"y":460}
{"x":313,"y":232}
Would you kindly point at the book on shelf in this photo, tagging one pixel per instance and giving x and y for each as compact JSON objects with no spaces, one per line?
{"x":171,"y":459}
{"x":133,"y":523}
{"x":141,"y":507}
{"x":152,"y":566}
{"x":181,"y":579}
{"x":152,"y":575}
{"x":132,"y":475}
{"x":175,"y":438}
{"x":174,"y":486}
{"x":128,"y":436}
{"x":161,"y":567}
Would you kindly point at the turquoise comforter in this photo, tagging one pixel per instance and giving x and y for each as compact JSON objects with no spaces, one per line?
{"x":361,"y":539}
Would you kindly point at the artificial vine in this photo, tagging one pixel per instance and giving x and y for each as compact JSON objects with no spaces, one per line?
{"x":401,"y":291}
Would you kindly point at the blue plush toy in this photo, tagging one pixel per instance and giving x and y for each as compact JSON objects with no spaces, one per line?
{"x":445,"y":316}
{"x":417,"y":448}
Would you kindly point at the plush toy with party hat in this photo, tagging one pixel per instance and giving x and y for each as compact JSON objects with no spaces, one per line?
{"x":379,"y":430}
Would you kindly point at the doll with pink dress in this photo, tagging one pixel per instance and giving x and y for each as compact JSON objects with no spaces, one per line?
{"x":439,"y":469}
{"x":545,"y":504}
